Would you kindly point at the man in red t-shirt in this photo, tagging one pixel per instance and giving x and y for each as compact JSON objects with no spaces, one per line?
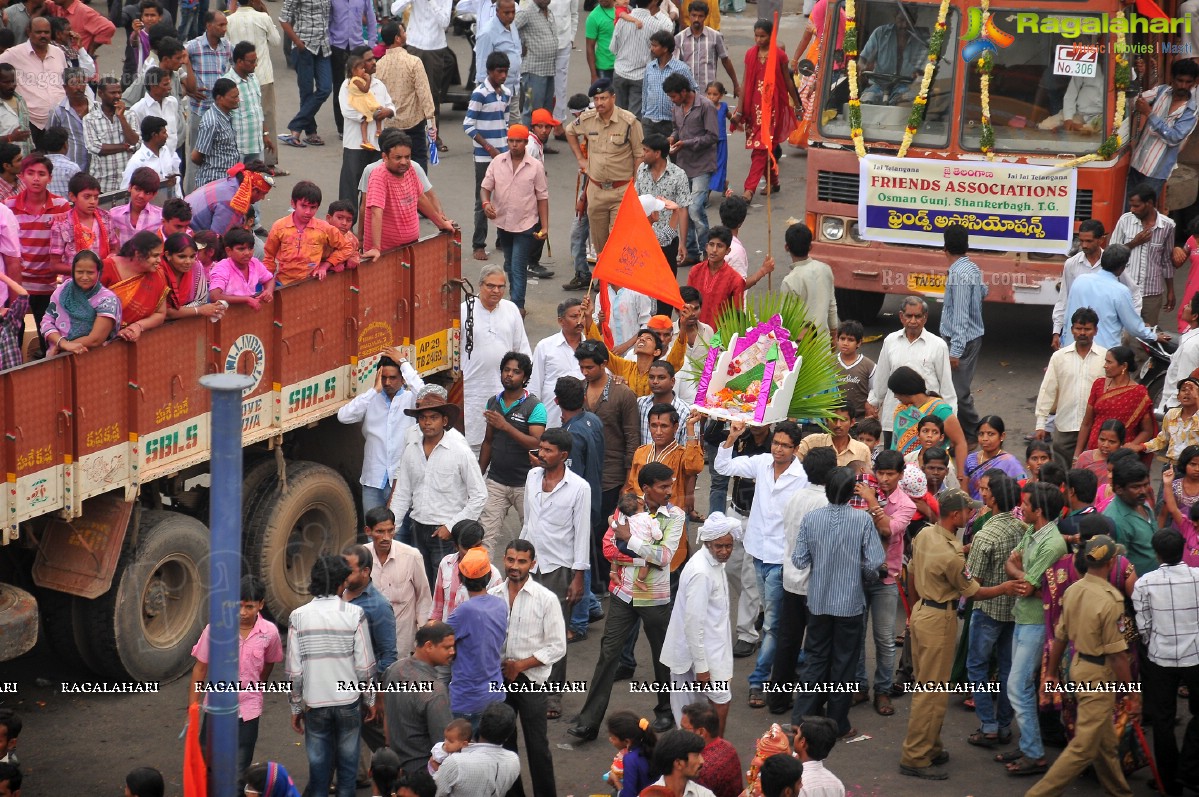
{"x":395,"y":199}
{"x":716,"y":280}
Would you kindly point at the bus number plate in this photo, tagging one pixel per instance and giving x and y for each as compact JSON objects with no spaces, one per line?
{"x":926,"y":283}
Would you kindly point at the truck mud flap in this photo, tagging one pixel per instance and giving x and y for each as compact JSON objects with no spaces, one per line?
{"x":79,"y":557}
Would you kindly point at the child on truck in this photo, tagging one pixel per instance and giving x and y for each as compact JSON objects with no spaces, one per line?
{"x":241,"y":278}
{"x":300,"y":245}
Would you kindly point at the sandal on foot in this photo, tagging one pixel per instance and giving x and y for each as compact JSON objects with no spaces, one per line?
{"x":575,"y":636}
{"x":1024,"y":766}
{"x":553,"y":712}
{"x":860,"y":696}
{"x":968,"y":704}
{"x":756,"y":700}
{"x":314,"y":141}
{"x":293,"y":140}
{"x":695,"y":517}
{"x":882,"y":704}
{"x":442,"y":147}
{"x":1008,"y":757}
{"x":980,"y":739}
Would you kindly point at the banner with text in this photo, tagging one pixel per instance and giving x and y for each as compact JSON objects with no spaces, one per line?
{"x":1006,"y":207}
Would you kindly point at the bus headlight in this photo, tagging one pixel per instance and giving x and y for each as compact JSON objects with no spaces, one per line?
{"x":832,"y":228}
{"x":855,"y":233}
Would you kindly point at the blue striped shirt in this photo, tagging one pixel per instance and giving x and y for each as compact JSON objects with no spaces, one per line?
{"x":655,"y":105}
{"x":487,"y":115}
{"x":837,"y":542}
{"x":962,"y":318}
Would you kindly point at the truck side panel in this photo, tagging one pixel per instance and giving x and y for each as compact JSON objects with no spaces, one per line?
{"x":170,"y":407}
{"x":382,"y":313}
{"x":37,"y":437}
{"x":314,"y":350}
{"x":103,"y":447}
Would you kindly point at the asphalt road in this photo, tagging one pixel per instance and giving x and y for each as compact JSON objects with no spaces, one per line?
{"x":84,"y":744}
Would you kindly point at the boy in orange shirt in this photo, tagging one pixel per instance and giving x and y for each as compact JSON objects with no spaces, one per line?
{"x":300,"y":245}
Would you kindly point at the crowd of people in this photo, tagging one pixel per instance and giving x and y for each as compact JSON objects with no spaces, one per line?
{"x":903,"y":517}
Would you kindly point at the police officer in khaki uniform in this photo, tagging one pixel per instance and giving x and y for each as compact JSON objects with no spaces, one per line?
{"x":1093,"y":619}
{"x":937,"y":578}
{"x":613,"y":150}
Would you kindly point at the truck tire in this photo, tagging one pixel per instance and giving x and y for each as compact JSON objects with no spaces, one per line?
{"x":862,"y":306}
{"x":18,"y":622}
{"x":252,"y":485}
{"x":143,"y":629}
{"x":287,"y":530}
{"x":62,"y":626}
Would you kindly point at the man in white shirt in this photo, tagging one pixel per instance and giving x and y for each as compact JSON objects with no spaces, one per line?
{"x":678,"y":755}
{"x":380,"y":410}
{"x":699,"y":639}
{"x":155,"y":154}
{"x":1066,"y":386}
{"x":1167,"y":607}
{"x":810,"y":279}
{"x":630,"y":45}
{"x":426,"y":40}
{"x":1185,"y":360}
{"x":440,"y":481}
{"x":814,"y":739}
{"x":778,"y":476}
{"x":157,"y":102}
{"x":554,"y":358}
{"x":1085,"y":261}
{"x":793,"y":608}
{"x":698,"y":334}
{"x":399,"y":575}
{"x":491,"y":327}
{"x":558,"y":522}
{"x":483,"y":768}
{"x":533,"y":650}
{"x":355,"y":157}
{"x":920,"y":350}
{"x":328,"y":645}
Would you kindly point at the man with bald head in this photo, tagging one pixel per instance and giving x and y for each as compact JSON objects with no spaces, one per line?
{"x":39,"y":75}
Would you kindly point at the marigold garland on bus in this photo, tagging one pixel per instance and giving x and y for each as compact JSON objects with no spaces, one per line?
{"x":920,"y":104}
{"x":986,"y":137}
{"x":1123,"y":75}
{"x":850,"y":47}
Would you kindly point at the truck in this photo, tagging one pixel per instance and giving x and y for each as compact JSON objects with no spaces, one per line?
{"x":1039,"y":48}
{"x":106,"y":459}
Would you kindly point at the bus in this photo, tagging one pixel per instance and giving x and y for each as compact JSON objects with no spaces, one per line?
{"x":1044,"y":56}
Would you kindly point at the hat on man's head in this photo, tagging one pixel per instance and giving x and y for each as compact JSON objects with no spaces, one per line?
{"x":601,"y":86}
{"x":957,"y":500}
{"x":518,"y":132}
{"x":543,"y":117}
{"x":1193,"y":380}
{"x":452,"y":412}
{"x":475,"y":563}
{"x":651,"y":204}
{"x":660,"y":323}
{"x":429,"y":390}
{"x":1102,"y":549}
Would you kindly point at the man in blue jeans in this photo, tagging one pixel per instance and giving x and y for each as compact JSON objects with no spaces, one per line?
{"x":993,"y":622}
{"x":306,"y":25}
{"x":779,"y":475}
{"x":1040,"y":547}
{"x":327,"y":645}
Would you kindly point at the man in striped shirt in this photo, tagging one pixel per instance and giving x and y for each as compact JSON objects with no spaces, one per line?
{"x":1170,"y":114}
{"x":962,"y":322}
{"x":35,"y":209}
{"x":328,"y":655}
{"x":630,"y":45}
{"x":1149,"y":236}
{"x":486,"y":123}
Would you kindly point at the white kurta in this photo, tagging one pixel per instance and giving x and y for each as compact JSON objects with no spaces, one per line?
{"x":496,"y":332}
{"x":553,"y":359}
{"x":699,"y":637}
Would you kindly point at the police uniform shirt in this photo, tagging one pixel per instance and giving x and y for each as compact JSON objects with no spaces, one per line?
{"x":612,"y":147}
{"x":1092,"y":617}
{"x":939,"y":566}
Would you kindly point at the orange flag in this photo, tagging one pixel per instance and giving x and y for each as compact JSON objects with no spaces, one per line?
{"x":633,"y":259}
{"x":1150,"y":9}
{"x":769,"y":89}
{"x":195,"y":774}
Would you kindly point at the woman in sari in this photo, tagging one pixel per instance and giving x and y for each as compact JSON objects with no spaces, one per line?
{"x":753,"y":110}
{"x":809,"y":48}
{"x":1057,"y":577}
{"x":913,"y":403}
{"x":136,"y":279}
{"x":186,"y":281}
{"x":1117,"y":395}
{"x":82,"y":313}
{"x":990,"y":454}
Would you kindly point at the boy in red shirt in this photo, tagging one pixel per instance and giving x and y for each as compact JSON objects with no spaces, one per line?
{"x":716,"y":280}
{"x":301,"y":245}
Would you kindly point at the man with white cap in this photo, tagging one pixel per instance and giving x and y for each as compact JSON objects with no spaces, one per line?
{"x":699,"y":639}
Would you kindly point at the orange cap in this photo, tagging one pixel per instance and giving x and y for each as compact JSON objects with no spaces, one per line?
{"x":518,"y":132}
{"x":543,"y":117}
{"x":660,"y":322}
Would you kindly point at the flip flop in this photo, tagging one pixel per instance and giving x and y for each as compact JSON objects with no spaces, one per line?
{"x":442,"y":147}
{"x":314,"y":140}
{"x":756,"y":700}
{"x":1026,"y":766}
{"x":292,"y":140}
{"x":1009,"y":756}
{"x":980,"y":739}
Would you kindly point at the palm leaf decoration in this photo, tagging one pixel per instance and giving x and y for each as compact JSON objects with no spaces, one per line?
{"x":817,"y":392}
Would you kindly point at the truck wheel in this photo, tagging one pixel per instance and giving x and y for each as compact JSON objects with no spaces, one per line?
{"x":18,"y":622}
{"x":144,"y":627}
{"x":62,"y":625}
{"x":286,"y":530}
{"x":252,"y":484}
{"x":861,"y":306}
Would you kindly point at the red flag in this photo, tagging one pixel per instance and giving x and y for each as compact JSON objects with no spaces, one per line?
{"x":633,"y":259}
{"x":769,"y":90}
{"x":195,"y":774}
{"x":1150,"y":9}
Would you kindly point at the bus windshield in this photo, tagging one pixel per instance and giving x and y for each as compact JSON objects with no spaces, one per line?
{"x":1035,"y":108}
{"x":893,"y":49}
